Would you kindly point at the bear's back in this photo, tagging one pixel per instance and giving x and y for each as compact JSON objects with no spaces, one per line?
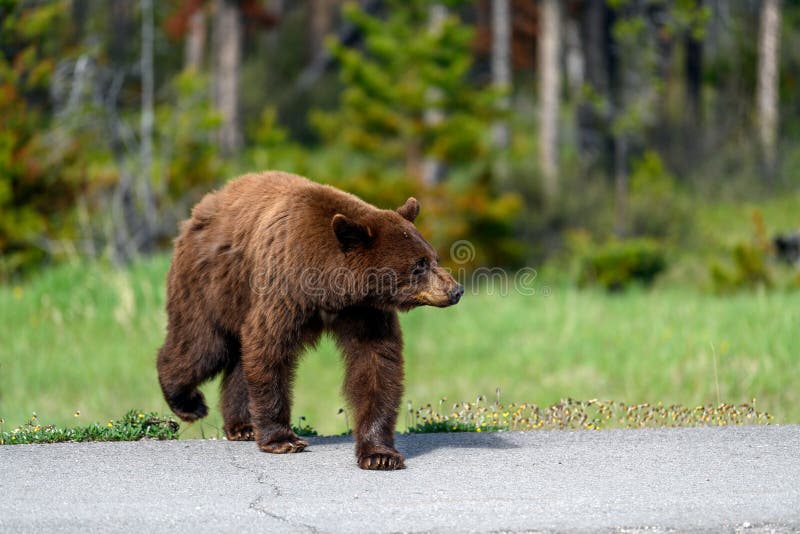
{"x":259,"y":204}
{"x":258,"y":225}
{"x":262,"y":207}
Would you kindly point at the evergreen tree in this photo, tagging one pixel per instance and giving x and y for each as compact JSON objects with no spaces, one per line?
{"x":404,"y":69}
{"x":387,"y":90}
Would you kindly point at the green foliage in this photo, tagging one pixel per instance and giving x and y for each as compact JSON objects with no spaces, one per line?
{"x":33,"y":194}
{"x":635,"y":104}
{"x":185,"y":161}
{"x":303,"y":429}
{"x":465,"y":417}
{"x":407,"y":93}
{"x":617,"y":264}
{"x":689,"y":16}
{"x":60,"y":160}
{"x":405,"y":70}
{"x":187,"y":158}
{"x":446,"y":426}
{"x":656,"y":208}
{"x":133,"y":426}
{"x":749,"y":270}
{"x":639,"y":29}
{"x":751,"y":264}
{"x":381,"y":132}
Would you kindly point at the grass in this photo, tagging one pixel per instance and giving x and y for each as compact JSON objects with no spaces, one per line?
{"x":719,"y":226}
{"x":722,"y":224}
{"x":84,"y":337}
{"x":567,"y":414}
{"x":135,"y":425}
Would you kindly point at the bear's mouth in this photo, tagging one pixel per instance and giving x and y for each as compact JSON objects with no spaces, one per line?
{"x":427,"y":298}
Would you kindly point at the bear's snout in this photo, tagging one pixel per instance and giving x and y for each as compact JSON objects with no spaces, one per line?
{"x":455,"y":293}
{"x":440,"y":290}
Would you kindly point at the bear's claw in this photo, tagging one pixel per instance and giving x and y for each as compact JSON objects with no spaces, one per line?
{"x":240,"y":432}
{"x":284,"y":446}
{"x":381,"y":461}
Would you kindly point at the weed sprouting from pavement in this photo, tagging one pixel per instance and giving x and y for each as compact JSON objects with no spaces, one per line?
{"x":303,"y":428}
{"x":571,"y":414}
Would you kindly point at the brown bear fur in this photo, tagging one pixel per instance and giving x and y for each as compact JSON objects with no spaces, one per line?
{"x":260,"y":270}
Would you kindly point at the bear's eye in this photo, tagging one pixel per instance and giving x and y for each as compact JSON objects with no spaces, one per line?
{"x":420,"y":268}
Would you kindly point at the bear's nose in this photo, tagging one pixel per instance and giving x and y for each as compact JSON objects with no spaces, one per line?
{"x":455,"y":293}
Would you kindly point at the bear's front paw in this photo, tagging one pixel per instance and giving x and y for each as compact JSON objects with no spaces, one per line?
{"x":379,"y":457}
{"x":282,"y":443}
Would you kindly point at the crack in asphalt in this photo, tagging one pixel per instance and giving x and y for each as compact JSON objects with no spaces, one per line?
{"x":640,"y":481}
{"x":258,"y":505}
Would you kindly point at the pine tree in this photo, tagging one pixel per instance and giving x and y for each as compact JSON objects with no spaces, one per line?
{"x":387,"y":90}
{"x":390,"y":84}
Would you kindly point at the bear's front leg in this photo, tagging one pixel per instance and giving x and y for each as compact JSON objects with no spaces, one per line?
{"x":373,"y":352}
{"x":269,"y":363}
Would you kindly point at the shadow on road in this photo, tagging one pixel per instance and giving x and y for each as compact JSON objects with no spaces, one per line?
{"x":414,"y":445}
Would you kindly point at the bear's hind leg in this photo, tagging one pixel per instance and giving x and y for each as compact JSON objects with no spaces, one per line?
{"x":188,"y":358}
{"x":234,"y":404}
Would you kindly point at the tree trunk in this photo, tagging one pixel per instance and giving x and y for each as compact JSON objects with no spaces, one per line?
{"x":501,"y":73}
{"x":767,"y":91}
{"x":320,"y":22}
{"x":276,"y":7}
{"x":80,"y":12}
{"x":227,"y":39}
{"x":194,"y":51}
{"x":147,"y":119}
{"x":694,"y":142}
{"x":549,"y":93}
{"x":121,"y":25}
{"x":621,"y":186}
{"x":694,"y":72}
{"x":431,"y":166}
{"x":574,"y":62}
{"x":595,"y":143}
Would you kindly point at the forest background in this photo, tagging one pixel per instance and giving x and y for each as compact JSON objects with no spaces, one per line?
{"x":641,"y":156}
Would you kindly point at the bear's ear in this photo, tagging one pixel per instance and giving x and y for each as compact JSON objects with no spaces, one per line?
{"x":409,"y":210}
{"x":350,"y":233}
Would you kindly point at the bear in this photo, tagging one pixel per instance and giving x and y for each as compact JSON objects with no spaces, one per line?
{"x":261,"y":269}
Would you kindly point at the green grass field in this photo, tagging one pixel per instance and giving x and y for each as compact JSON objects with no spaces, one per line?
{"x":84,"y":337}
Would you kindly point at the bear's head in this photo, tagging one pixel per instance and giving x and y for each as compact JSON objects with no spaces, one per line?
{"x":395,"y":267}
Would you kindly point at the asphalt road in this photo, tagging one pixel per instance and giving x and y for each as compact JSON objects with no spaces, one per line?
{"x":710,"y":479}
